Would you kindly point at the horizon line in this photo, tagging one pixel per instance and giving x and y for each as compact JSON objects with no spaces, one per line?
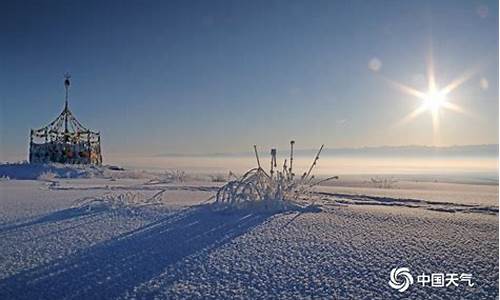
{"x":297,"y":151}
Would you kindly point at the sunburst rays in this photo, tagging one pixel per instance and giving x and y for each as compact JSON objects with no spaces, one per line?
{"x":435,"y":99}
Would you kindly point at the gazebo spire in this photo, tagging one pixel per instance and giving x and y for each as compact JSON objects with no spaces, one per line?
{"x":67,"y":76}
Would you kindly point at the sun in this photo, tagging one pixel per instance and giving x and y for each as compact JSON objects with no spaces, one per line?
{"x":434,"y":100}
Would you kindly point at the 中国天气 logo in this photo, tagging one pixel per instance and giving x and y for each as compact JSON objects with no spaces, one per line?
{"x":401,"y":279}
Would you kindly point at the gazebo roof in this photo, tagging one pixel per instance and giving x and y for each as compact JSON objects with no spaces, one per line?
{"x":65,"y":123}
{"x":66,"y":126}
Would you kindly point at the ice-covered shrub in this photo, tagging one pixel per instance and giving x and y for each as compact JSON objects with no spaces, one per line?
{"x":176,"y":175}
{"x":47,"y":176}
{"x":383,"y":183}
{"x":126,"y":202}
{"x":218,"y":178}
{"x":170,"y":176}
{"x":277,"y":190}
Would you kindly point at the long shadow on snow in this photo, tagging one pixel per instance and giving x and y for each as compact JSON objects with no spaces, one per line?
{"x":109,"y":269}
{"x":57,"y":216}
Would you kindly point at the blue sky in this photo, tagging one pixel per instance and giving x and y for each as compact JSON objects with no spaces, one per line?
{"x":219,"y":76}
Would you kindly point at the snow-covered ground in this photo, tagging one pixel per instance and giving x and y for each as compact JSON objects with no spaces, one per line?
{"x":144,"y":236}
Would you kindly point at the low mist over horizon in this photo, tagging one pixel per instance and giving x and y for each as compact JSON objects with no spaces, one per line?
{"x":403,"y":150}
{"x":469,"y":162}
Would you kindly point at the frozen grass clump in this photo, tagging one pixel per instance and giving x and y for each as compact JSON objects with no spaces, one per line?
{"x":277,"y":190}
{"x":129,"y":202}
{"x":170,"y":176}
{"x":218,"y":178}
{"x":47,"y":176}
{"x":383,"y":183}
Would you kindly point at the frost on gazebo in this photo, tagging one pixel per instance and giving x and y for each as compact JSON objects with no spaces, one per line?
{"x":65,"y":140}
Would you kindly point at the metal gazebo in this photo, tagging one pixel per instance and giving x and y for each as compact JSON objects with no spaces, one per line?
{"x":65,"y":140}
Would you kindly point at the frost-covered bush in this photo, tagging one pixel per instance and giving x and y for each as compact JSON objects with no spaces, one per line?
{"x":170,"y":176}
{"x":176,"y":175}
{"x":218,"y":178}
{"x":127,"y":202}
{"x":383,"y":183}
{"x":277,"y":190}
{"x":47,"y":176}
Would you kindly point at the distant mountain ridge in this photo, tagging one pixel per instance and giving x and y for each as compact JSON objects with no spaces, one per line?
{"x":484,"y":150}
